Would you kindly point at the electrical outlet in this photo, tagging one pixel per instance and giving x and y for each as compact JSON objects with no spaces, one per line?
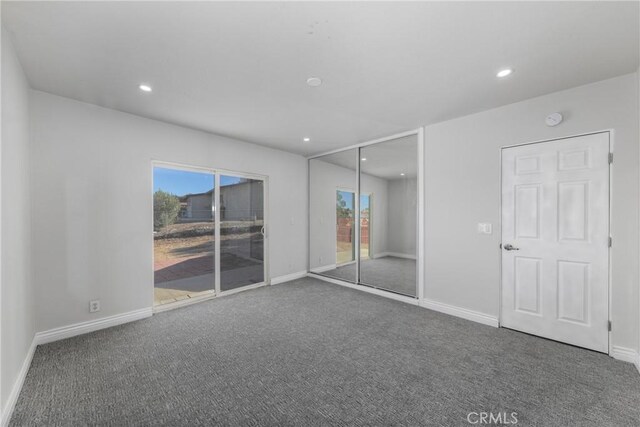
{"x":94,"y":306}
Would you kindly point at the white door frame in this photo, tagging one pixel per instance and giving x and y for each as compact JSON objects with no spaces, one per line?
{"x":215,"y":292}
{"x":419,"y":133}
{"x":611,"y":133}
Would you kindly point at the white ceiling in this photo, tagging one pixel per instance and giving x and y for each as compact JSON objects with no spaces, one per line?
{"x":239,"y":69}
{"x":385,"y":160}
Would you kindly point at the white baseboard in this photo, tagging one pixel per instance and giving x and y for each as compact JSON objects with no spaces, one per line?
{"x":289,"y":277}
{"x":324,"y":268}
{"x":464,"y":313}
{"x":394,"y":254}
{"x":59,"y":334}
{"x":17,"y":386}
{"x":626,"y":355}
{"x":379,"y":255}
{"x":90,"y":326}
{"x":185,"y":302}
{"x":370,"y":290}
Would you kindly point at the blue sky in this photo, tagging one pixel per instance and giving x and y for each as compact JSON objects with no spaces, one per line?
{"x":364,"y":202}
{"x":181,"y":182}
{"x":347,"y":196}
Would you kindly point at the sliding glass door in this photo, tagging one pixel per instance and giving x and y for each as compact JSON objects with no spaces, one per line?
{"x":183,"y":234}
{"x":209,"y":232}
{"x":366,"y":225}
{"x":242,"y":232}
{"x":345,"y":227}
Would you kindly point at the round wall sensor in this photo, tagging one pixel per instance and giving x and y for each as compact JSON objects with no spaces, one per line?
{"x":553,"y":119}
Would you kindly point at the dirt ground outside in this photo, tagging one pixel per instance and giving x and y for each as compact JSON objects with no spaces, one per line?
{"x":344,"y":252}
{"x":195,"y":239}
{"x":181,"y":248}
{"x":185,"y":250}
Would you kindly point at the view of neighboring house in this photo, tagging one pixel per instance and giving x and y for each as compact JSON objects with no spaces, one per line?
{"x":197,"y":206}
{"x":238,"y":202}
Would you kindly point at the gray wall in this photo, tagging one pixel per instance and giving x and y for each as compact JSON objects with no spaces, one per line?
{"x":16,"y":296}
{"x":403,"y":216}
{"x":92,"y":174}
{"x":462,"y":188}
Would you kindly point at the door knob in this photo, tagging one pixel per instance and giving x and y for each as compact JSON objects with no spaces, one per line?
{"x":510,"y":247}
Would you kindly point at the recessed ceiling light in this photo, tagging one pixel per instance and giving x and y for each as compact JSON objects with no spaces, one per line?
{"x":504,"y":73}
{"x":364,"y":159}
{"x":145,"y":88}
{"x":402,"y":174}
{"x":314,"y":81}
{"x":306,"y":139}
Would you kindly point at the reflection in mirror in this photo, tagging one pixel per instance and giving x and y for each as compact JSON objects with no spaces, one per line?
{"x":332,"y":207}
{"x":388,"y":215}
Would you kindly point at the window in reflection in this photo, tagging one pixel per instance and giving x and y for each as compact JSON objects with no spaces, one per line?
{"x":332,"y":215}
{"x":365,"y":225}
{"x":345,"y":231}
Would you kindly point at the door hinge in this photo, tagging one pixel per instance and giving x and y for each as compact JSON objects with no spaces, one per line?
{"x":610,"y":158}
{"x":609,"y":325}
{"x":610,"y":241}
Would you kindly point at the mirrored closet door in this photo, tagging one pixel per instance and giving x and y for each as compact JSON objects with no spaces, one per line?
{"x":332,"y":215}
{"x":363,"y":215}
{"x":389,"y":212}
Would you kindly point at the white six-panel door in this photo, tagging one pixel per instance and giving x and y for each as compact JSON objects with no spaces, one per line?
{"x":555,"y":240}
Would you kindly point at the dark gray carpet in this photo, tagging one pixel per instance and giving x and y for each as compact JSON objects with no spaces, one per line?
{"x":390,"y":273}
{"x":311,"y":353}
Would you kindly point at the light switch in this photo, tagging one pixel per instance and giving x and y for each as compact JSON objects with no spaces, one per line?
{"x":484,"y":228}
